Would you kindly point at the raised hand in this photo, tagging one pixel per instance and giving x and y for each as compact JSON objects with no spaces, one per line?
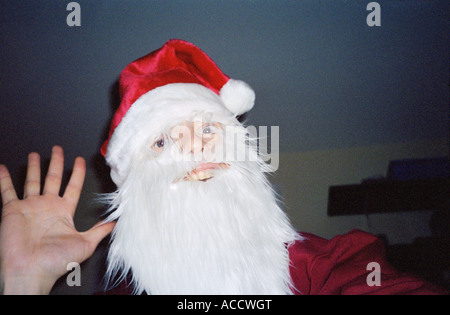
{"x":37,"y":234}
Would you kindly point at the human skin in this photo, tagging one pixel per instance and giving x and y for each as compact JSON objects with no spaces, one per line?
{"x":37,"y":233}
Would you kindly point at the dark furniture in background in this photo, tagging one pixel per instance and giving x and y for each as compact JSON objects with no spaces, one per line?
{"x":411,"y":185}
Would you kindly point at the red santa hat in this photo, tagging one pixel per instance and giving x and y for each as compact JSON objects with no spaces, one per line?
{"x":180,"y":73}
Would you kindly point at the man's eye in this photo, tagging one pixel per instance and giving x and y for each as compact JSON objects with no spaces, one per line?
{"x":207,"y":130}
{"x":159,"y":143}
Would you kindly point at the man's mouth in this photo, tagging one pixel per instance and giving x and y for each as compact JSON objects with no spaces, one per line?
{"x":204,"y":171}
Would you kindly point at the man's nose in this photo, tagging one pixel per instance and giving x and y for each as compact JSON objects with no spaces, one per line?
{"x":195,"y":145}
{"x":188,"y":140}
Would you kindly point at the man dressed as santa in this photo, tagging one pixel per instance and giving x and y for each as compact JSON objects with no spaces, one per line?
{"x":193,"y":212}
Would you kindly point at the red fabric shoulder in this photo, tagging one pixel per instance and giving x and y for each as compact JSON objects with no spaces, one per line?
{"x":353,"y":263}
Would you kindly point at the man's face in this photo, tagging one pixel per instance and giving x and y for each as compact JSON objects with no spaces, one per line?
{"x":198,"y":140}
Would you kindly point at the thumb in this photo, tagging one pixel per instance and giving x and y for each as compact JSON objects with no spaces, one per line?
{"x":98,"y":232}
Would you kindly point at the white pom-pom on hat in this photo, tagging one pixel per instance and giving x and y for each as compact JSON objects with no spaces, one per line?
{"x":237,"y":96}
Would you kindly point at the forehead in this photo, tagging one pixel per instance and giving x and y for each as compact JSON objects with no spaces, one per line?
{"x":197,"y":124}
{"x":198,"y":120}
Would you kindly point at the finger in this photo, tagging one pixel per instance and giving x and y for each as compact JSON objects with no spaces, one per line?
{"x":33,"y":179}
{"x":6,"y":186}
{"x":97,"y":233}
{"x":75,"y":185}
{"x":55,"y":170}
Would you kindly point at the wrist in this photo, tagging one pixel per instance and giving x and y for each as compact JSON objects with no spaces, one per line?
{"x":26,"y":285}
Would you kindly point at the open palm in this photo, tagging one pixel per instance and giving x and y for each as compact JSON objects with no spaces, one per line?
{"x":37,"y":236}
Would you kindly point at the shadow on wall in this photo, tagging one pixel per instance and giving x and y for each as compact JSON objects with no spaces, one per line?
{"x":97,"y":162}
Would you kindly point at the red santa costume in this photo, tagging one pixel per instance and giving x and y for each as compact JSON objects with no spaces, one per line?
{"x":199,"y":216}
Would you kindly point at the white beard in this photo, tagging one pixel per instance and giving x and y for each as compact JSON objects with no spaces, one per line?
{"x":226,"y":235}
